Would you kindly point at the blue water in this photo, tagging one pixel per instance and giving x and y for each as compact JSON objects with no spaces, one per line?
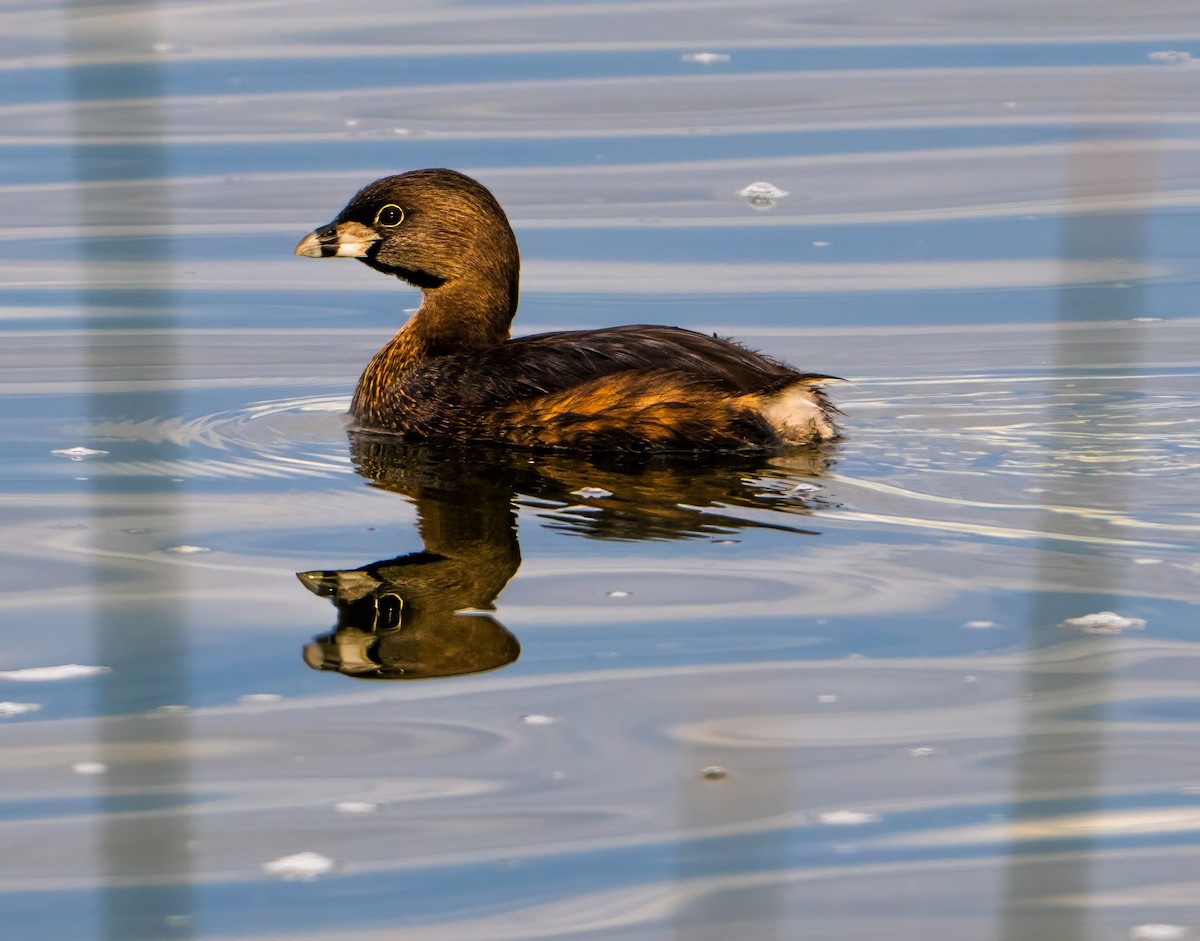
{"x":988,"y":230}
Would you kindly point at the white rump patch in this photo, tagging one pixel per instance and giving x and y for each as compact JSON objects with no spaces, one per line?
{"x":797,"y":416}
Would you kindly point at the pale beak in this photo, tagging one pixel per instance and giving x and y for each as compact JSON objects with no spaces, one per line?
{"x":338,"y":240}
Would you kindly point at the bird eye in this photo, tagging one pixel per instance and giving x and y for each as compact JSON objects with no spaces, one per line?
{"x":390,"y":216}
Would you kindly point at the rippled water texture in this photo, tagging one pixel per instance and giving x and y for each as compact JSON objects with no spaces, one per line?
{"x":866,"y":691}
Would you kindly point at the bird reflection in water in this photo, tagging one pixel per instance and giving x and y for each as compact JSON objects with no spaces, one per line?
{"x":426,"y":614}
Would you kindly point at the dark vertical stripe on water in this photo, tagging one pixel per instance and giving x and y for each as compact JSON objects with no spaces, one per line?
{"x":139,"y":634}
{"x":1047,"y":896}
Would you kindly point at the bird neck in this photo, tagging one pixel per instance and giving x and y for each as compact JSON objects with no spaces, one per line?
{"x":460,"y":316}
{"x":454,"y":317}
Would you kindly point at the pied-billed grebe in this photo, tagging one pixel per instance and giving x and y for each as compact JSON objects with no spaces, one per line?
{"x":453,"y":372}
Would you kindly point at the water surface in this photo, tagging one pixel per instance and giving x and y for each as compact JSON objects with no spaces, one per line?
{"x":834,"y":693}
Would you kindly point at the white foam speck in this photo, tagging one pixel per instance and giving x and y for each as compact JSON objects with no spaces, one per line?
{"x":1172,"y":56}
{"x":173,"y":709}
{"x":1157,"y":932}
{"x":9,"y":709}
{"x":307,"y":865}
{"x":847,"y":818}
{"x":705,"y":58}
{"x":820,"y":244}
{"x":591,"y":493}
{"x":762,"y":194}
{"x":260,"y":697}
{"x":1105,"y":622}
{"x":68,"y":671}
{"x":188,"y":550}
{"x":355,"y":807}
{"x":827,"y":698}
{"x":89,"y":767}
{"x":79,"y":453}
{"x":534,"y":718}
{"x":782,"y":489}
{"x":618,"y":594}
{"x":979,"y":625}
{"x":922,"y":751}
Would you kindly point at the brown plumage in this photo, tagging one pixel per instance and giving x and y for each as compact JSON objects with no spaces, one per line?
{"x":453,"y":372}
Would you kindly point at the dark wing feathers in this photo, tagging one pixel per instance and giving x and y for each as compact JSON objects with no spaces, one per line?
{"x":554,"y":362}
{"x":630,"y":387}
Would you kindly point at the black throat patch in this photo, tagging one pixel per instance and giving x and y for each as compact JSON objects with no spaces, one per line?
{"x":418,"y":279}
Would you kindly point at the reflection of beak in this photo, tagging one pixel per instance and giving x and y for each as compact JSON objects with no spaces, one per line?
{"x":346,"y":650}
{"x":340,"y":240}
{"x":343,"y":586}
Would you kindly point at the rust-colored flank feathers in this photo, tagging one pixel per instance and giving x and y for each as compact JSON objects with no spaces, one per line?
{"x":453,"y":372}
